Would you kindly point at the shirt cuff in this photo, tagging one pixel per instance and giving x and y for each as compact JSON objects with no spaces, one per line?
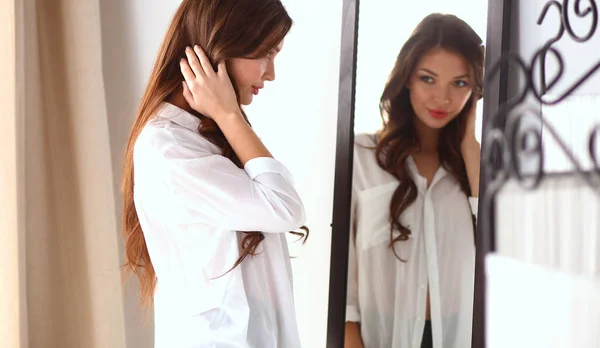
{"x":262,"y":165}
{"x":352,"y":314}
{"x":474,"y":203}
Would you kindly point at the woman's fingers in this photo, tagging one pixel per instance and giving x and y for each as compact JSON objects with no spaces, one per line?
{"x":187,"y":72}
{"x":204,"y":61}
{"x":207,"y":92}
{"x":197,"y":64}
{"x":194,"y":63}
{"x":222,"y":69}
{"x":187,"y":94}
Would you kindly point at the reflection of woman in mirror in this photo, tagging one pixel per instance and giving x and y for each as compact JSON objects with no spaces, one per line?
{"x":205,"y":204}
{"x":415,"y":183}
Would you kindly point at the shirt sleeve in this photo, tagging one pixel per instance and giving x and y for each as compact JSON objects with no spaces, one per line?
{"x":352,"y":308}
{"x":474,"y":203}
{"x":214,"y":191}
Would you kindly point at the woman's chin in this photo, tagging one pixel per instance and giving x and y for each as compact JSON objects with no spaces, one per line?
{"x":434,"y":123}
{"x":247,"y":100}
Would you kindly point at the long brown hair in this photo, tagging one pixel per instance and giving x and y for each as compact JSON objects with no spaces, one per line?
{"x":399,"y":138}
{"x":224,"y":29}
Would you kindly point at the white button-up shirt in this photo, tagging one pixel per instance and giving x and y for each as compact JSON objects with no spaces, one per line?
{"x":389,"y":297}
{"x":192,"y":202}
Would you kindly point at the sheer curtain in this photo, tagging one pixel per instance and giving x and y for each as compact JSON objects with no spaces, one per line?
{"x":59,"y":265}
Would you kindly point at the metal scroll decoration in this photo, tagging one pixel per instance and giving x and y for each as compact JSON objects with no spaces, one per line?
{"x":507,"y":145}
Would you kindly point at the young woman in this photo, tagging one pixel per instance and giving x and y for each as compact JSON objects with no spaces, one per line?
{"x":412,"y":254}
{"x":205,"y":204}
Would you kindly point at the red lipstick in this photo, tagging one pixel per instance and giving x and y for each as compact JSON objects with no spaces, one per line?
{"x":438,"y":114}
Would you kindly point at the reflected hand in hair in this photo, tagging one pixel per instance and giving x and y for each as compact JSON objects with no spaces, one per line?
{"x":208,"y":92}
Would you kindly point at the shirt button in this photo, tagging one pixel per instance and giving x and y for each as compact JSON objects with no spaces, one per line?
{"x":422,"y":286}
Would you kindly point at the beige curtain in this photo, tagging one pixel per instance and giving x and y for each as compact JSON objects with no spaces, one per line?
{"x":59,"y":249}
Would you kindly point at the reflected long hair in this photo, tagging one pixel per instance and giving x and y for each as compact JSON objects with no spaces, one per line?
{"x":225,"y":29}
{"x":398,"y":137}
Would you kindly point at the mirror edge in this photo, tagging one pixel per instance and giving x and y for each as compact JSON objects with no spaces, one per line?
{"x":495,"y":94}
{"x":343,"y":177}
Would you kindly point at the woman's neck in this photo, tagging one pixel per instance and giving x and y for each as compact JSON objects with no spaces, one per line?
{"x":177,"y":99}
{"x":428,"y":137}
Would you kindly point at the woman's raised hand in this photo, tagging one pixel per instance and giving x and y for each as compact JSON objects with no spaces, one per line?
{"x":207,"y":91}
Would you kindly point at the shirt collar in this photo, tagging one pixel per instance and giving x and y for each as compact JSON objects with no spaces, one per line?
{"x":178,"y":116}
{"x":414,"y":171}
{"x":420,"y":180}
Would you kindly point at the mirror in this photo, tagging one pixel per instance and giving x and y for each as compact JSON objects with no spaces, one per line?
{"x":410,"y":278}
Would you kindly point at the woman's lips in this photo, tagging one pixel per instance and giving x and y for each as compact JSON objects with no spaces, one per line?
{"x":438,"y":114}
{"x":256,"y":89}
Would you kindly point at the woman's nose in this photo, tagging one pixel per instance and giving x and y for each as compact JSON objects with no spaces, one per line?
{"x":270,"y":72}
{"x":442,"y":95}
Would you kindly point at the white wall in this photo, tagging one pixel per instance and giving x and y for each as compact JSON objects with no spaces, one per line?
{"x":12,"y":331}
{"x":295,"y":116}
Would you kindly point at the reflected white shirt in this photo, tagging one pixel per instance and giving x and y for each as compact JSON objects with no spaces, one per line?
{"x":192,"y":202}
{"x":388,"y":297}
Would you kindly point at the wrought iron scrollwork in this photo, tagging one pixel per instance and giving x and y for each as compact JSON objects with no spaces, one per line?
{"x":506,"y":145}
{"x":513,"y":141}
{"x":592,"y":8}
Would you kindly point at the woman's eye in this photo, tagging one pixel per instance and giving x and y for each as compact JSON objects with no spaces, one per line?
{"x":426,"y":79}
{"x":460,"y":83}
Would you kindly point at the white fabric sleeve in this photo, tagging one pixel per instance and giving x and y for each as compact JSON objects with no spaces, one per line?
{"x":214,"y":191}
